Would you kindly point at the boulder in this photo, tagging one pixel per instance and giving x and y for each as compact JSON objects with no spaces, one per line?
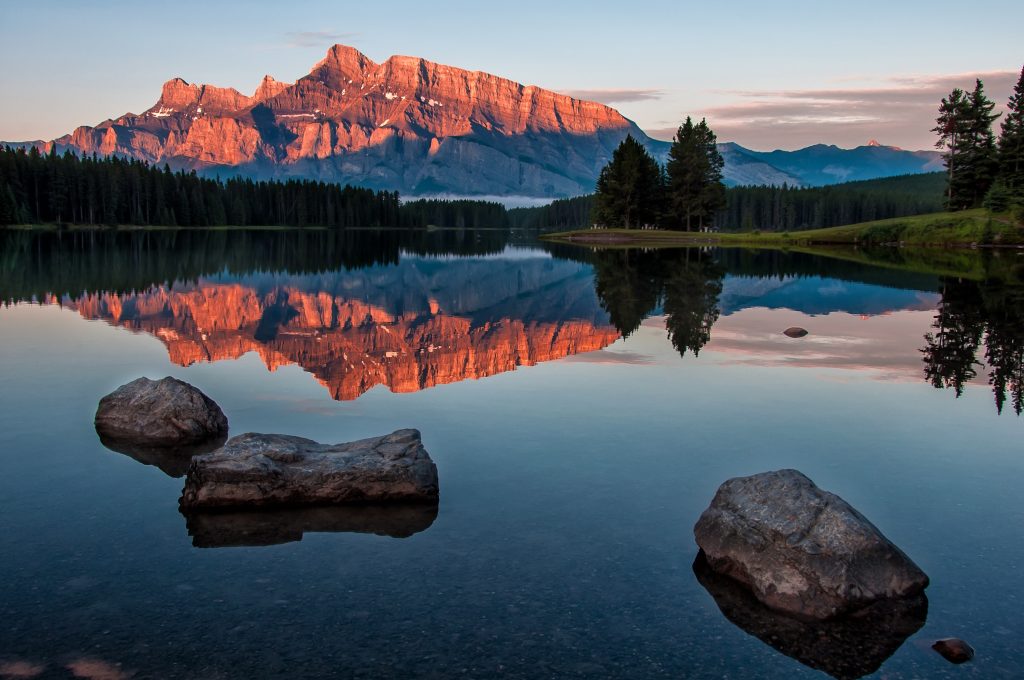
{"x":795,"y":332}
{"x":159,"y":413}
{"x":954,"y":650}
{"x":264,"y":470}
{"x":800,"y":549}
{"x":846,"y":647}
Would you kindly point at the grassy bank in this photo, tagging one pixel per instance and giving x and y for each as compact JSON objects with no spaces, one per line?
{"x":960,"y":229}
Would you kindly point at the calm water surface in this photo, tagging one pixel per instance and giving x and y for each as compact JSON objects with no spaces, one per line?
{"x":581,"y":407}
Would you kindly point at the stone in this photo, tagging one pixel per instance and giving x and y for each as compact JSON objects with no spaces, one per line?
{"x":272,"y":527}
{"x":954,"y":650}
{"x":846,"y":647}
{"x":266,"y":470}
{"x":158,"y":413}
{"x":795,"y":332}
{"x":800,"y":549}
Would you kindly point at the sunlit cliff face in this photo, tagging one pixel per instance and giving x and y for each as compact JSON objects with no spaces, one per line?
{"x":350,"y":344}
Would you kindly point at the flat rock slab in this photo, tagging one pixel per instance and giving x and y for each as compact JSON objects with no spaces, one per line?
{"x":265,"y":470}
{"x":800,"y":549}
{"x":159,"y":413}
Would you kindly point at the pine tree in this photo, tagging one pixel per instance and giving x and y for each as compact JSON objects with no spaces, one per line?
{"x":980,"y":162}
{"x":1011,"y":143}
{"x":952,"y":129}
{"x":694,"y":176}
{"x":629,"y":189}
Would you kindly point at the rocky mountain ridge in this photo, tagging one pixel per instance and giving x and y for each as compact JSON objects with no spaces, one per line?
{"x":421,"y":128}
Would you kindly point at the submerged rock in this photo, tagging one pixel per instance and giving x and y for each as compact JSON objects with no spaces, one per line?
{"x":800,"y":549}
{"x":270,"y":527}
{"x":260,"y":470}
{"x":795,"y":332}
{"x":159,"y":413}
{"x":846,"y":647}
{"x":954,"y":650}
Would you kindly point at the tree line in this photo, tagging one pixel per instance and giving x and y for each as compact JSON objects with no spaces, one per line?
{"x":981,"y":170}
{"x":785,"y":208}
{"x":635,"y":191}
{"x":777,"y":208}
{"x":37,"y":188}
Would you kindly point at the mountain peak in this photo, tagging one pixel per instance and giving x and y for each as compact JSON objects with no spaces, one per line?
{"x":269,"y":87}
{"x":342,"y":65}
{"x":875,"y":142}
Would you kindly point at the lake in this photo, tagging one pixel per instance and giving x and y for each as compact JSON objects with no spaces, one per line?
{"x":582,"y":408}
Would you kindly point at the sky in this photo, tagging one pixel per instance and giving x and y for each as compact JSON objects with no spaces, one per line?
{"x":766,"y":75}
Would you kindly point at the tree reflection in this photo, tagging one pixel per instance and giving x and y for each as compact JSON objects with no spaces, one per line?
{"x":685,"y":284}
{"x":971,"y":315}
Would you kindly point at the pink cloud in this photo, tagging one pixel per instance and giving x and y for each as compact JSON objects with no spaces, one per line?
{"x":901,"y":112}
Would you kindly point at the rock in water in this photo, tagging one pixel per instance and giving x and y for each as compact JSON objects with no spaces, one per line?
{"x":954,"y":650}
{"x":795,"y":332}
{"x":260,"y":470}
{"x":846,"y":647}
{"x":159,"y":413}
{"x":800,"y":549}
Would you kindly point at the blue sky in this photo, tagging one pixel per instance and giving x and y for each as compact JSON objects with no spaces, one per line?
{"x":768,"y":75}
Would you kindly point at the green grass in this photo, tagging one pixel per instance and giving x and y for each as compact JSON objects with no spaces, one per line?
{"x":966,"y":228}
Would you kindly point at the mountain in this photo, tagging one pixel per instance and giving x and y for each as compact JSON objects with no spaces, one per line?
{"x":406,"y":124}
{"x":422,"y":128}
{"x":822,"y":164}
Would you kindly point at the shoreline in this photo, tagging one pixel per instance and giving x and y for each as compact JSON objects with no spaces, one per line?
{"x":969,"y":229}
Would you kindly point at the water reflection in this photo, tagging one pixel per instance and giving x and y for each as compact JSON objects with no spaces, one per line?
{"x":973,"y":315}
{"x":172,"y":461}
{"x":845,"y":648}
{"x":271,"y":527}
{"x":685,"y":284}
{"x":410,"y":309}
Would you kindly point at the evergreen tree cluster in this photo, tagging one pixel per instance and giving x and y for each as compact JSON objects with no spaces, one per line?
{"x":38,"y":188}
{"x":67,"y":189}
{"x":771,"y":208}
{"x":634,"y":191}
{"x":562,"y":214}
{"x":456,"y":214}
{"x":979,"y":169}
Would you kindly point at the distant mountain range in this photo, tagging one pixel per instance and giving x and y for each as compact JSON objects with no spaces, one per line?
{"x":422,"y":128}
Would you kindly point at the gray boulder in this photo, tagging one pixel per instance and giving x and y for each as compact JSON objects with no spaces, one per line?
{"x":263,"y":470}
{"x":159,"y":413}
{"x":800,"y":549}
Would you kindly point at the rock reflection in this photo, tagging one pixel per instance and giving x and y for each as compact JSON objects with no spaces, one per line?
{"x":172,"y":461}
{"x":845,"y":648}
{"x":271,"y":527}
